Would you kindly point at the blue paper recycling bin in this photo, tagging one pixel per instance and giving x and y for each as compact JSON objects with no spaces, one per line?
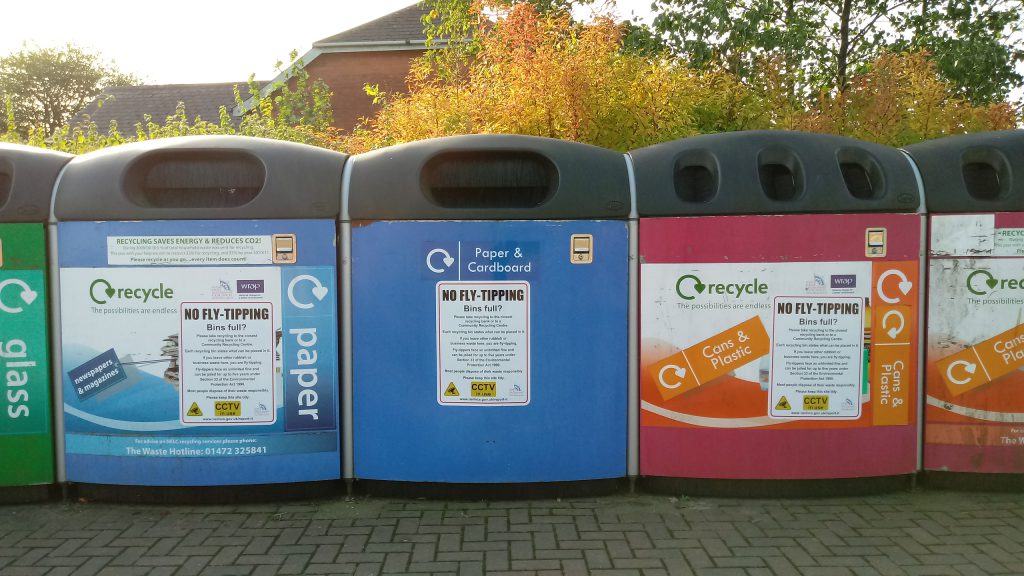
{"x":489,"y":313}
{"x":199,"y":316}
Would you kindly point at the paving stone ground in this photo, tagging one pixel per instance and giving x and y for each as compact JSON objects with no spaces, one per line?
{"x":913,"y":533}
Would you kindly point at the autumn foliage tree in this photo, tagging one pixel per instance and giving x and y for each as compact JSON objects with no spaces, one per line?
{"x":543,"y":74}
{"x":534,"y":70}
{"x":902,"y":99}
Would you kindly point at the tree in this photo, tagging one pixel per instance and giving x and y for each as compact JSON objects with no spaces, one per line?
{"x":901,"y":99}
{"x":740,"y":35}
{"x":294,"y":102}
{"x":461,"y":19}
{"x":547,"y":75}
{"x":47,"y":86}
{"x":978,"y":45}
{"x":457,"y":25}
{"x":296,"y":110}
{"x":821,"y":43}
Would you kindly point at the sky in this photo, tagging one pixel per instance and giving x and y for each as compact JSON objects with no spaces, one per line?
{"x":196,"y":41}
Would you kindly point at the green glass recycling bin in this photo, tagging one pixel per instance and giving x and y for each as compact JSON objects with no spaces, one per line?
{"x":27,"y":177}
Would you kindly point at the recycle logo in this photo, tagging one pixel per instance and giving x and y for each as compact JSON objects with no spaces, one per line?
{"x":102,"y":291}
{"x":982,"y":283}
{"x":697,"y":285}
{"x":108,"y":290}
{"x":689,"y":286}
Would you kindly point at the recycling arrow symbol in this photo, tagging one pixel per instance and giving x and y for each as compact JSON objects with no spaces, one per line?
{"x":969,"y":367}
{"x":905,"y":285}
{"x":445,"y":257}
{"x":319,"y":291}
{"x":679,"y":371}
{"x":697,"y":285}
{"x":28,"y":296}
{"x":990,"y":281}
{"x":893,"y":330}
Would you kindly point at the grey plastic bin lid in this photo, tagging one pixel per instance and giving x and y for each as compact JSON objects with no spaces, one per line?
{"x":772,"y":172}
{"x":202,"y":178}
{"x":489,"y":177}
{"x":973,"y":173}
{"x":27,"y":176}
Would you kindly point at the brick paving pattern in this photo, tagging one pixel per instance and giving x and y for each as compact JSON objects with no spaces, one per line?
{"x":913,"y":533}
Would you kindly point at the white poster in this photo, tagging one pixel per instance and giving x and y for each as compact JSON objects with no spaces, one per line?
{"x":974,"y":235}
{"x":688,"y":308}
{"x":817,"y":357}
{"x":1009,"y":242}
{"x":210,"y":333}
{"x":227,"y":363}
{"x":962,"y":234}
{"x":189,"y":250}
{"x":483,"y":343}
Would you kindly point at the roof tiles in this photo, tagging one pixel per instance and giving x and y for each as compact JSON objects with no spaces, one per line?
{"x":401,"y":25}
{"x":129,"y":104}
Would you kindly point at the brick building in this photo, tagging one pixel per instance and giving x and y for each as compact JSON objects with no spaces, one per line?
{"x":378,"y":52}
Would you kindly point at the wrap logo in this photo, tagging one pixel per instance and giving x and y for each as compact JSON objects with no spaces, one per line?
{"x":689,"y":287}
{"x":101,"y":291}
{"x":841,"y":281}
{"x":983,"y":283}
{"x":250,"y":286}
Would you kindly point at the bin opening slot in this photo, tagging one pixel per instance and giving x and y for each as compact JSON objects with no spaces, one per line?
{"x":861,"y":173}
{"x":982,"y":180}
{"x":696,"y":178}
{"x":489,"y":179}
{"x":781,"y":175}
{"x":6,"y":182}
{"x":986,"y":173}
{"x":778,"y":182}
{"x":195,"y":179}
{"x":857,"y":180}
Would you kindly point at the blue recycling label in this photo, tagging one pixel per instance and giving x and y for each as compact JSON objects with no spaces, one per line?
{"x":480,"y":260}
{"x":96,"y":375}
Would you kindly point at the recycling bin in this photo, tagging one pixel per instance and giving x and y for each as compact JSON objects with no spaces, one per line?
{"x":199,"y":318}
{"x":974,"y":186}
{"x":26,"y":438}
{"x":489,"y":316}
{"x":779,"y":314}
